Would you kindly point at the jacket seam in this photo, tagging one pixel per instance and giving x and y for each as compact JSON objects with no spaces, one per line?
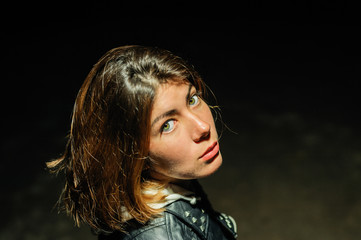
{"x":167,"y":226}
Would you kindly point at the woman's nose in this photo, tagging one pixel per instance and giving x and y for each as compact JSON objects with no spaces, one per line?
{"x":201,"y":130}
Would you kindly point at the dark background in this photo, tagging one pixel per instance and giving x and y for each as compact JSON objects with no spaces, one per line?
{"x":286,"y":76}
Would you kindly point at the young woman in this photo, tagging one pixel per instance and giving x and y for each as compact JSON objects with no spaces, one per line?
{"x":141,"y":134}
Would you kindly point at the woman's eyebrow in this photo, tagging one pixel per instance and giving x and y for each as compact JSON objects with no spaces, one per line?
{"x":173,"y":111}
{"x":164,"y":115}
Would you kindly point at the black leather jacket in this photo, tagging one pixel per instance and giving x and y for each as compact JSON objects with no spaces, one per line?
{"x":182,"y":220}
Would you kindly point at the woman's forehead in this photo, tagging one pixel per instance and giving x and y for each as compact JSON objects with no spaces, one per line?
{"x":170,"y":97}
{"x":171,"y":91}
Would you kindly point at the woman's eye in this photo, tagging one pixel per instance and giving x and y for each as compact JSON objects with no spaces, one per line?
{"x":168,"y":126}
{"x":194,"y":100}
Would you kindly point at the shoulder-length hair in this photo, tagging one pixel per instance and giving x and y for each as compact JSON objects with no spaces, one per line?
{"x":105,"y":161}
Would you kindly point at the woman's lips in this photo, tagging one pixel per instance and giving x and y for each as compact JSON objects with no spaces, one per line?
{"x":210,"y":152}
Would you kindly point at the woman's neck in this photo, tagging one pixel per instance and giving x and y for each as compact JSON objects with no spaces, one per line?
{"x":184,"y":183}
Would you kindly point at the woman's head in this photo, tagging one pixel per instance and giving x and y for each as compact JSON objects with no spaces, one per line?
{"x":113,"y":152}
{"x":183,"y":137}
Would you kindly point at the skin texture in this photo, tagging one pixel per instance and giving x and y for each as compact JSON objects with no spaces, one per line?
{"x":182,"y":131}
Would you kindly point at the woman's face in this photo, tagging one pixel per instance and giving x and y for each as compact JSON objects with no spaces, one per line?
{"x":183,"y":139}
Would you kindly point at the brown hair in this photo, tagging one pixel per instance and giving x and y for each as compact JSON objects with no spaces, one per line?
{"x":105,"y":161}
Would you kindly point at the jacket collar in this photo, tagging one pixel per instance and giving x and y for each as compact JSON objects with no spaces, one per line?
{"x":172,"y":192}
{"x":199,"y":218}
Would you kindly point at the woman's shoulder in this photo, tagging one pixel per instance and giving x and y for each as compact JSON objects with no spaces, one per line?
{"x":154,"y":229}
{"x":169,"y":225}
{"x":165,"y":227}
{"x":180,"y":220}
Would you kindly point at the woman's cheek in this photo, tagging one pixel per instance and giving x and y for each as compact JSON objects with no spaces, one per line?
{"x":170,"y":153}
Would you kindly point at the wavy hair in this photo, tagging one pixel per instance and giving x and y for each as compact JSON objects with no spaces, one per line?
{"x":105,"y":161}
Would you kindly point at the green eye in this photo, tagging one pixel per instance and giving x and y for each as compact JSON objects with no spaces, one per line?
{"x":168,"y":126}
{"x":194,"y":100}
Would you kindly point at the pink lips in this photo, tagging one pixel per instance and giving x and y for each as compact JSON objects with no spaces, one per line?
{"x":211,"y":152}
